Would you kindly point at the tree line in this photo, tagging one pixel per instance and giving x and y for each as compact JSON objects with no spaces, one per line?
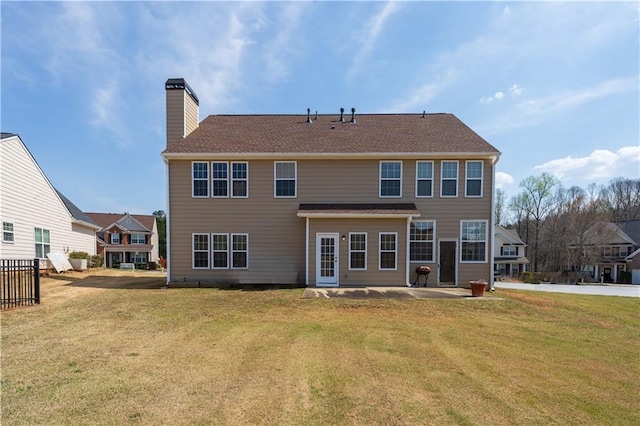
{"x":554,"y":221}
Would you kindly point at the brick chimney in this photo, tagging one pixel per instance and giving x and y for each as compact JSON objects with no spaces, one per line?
{"x":182,"y":109}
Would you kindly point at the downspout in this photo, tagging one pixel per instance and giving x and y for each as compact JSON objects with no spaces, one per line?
{"x":306,"y":255}
{"x":493,"y":226}
{"x":168,"y":227}
{"x":407,"y":255}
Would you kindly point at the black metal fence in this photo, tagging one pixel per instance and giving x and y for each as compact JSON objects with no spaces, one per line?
{"x":19,"y":282}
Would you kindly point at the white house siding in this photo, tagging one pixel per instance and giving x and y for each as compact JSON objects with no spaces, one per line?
{"x":28,"y":200}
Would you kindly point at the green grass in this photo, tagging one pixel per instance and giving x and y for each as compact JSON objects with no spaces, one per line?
{"x":131,"y":354}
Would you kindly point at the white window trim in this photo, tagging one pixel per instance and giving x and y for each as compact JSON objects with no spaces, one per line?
{"x":418,"y":179}
{"x":380,"y":251}
{"x":12,"y":232}
{"x":119,"y":238}
{"x":41,"y":243}
{"x":486,"y":241}
{"x":213,"y":251}
{"x":193,"y":179}
{"x":232,"y":179}
{"x":433,"y":242}
{"x":466,"y":178}
{"x":366,"y":237}
{"x":295,"y":179}
{"x":144,"y":238}
{"x":218,"y":179}
{"x":442,"y":178}
{"x":193,"y":251}
{"x":232,"y":251}
{"x":509,"y":246}
{"x":380,"y":179}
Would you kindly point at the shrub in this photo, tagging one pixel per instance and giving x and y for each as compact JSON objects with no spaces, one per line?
{"x":79,"y":255}
{"x":624,"y":277}
{"x":527,"y":277}
{"x":141,"y":266}
{"x":96,"y":261}
{"x":163,"y":262}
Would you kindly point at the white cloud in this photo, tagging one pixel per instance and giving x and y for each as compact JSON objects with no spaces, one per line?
{"x":503,"y":179}
{"x":369,"y":36}
{"x":499,"y":95}
{"x":280,"y":50}
{"x":601,"y":165}
{"x":515,"y":90}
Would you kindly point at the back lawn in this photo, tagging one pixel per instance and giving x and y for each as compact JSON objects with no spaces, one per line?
{"x":115,"y":347}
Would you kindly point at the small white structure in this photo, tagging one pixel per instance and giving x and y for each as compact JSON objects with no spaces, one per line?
{"x":36,"y":218}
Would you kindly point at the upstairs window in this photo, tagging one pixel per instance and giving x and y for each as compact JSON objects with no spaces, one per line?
{"x":138,"y":239}
{"x":285,"y":174}
{"x":390,"y":178}
{"x":509,"y":250}
{"x":239,"y":180}
{"x":42,"y":242}
{"x":7,"y":232}
{"x":473,"y":185}
{"x":449,"y":179}
{"x":424,"y":179}
{"x":220,"y":180}
{"x":200,"y":179}
{"x":473,"y":235}
{"x":421,"y":241}
{"x":115,"y":238}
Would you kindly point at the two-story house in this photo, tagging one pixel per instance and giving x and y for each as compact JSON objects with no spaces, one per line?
{"x":509,"y":253}
{"x":339,"y":199}
{"x":36,"y":218}
{"x":126,"y":238}
{"x":608,"y":248}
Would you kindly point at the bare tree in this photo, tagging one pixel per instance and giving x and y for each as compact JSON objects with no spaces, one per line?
{"x":500,"y":206}
{"x":621,"y":199}
{"x":539,"y":200}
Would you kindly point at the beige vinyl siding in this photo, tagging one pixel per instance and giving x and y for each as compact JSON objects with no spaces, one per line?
{"x":277,"y":235}
{"x":182,"y":114}
{"x":373,"y":276}
{"x":29,"y":201}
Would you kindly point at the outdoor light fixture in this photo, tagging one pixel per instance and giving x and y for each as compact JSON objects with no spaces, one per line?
{"x":344,"y":238}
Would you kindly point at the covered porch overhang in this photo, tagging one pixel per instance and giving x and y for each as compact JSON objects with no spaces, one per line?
{"x":376,"y":211}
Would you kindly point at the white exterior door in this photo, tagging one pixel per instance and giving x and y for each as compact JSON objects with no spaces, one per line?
{"x":327,"y":260}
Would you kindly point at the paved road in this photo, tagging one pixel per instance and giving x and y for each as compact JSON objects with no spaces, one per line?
{"x":599,"y":290}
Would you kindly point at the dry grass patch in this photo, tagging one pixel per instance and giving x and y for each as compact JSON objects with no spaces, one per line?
{"x":124,"y":350}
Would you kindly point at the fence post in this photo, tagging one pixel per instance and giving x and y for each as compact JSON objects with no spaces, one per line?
{"x":36,"y":279}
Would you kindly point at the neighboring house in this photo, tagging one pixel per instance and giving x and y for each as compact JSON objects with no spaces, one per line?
{"x":126,"y":238}
{"x":509,"y":255}
{"x":36,"y":218}
{"x":325,"y":200}
{"x":633,"y":265}
{"x":610,"y":248}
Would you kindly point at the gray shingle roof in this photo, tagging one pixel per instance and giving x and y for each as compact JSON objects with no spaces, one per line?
{"x":76,"y":213}
{"x":372,"y":133}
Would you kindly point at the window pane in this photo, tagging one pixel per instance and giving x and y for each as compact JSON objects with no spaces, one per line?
{"x":240,"y":188}
{"x":239,"y":242}
{"x":449,"y":170}
{"x":219,"y":242}
{"x":219,"y":188}
{"x":39,"y":251}
{"x":390,"y":188}
{"x":474,"y":187}
{"x":285,"y":188}
{"x":474,"y":170}
{"x":220,"y":259}
{"x":219,"y":170}
{"x":387,"y":260}
{"x":239,"y":259}
{"x":449,"y":187}
{"x":285,"y":170}
{"x":239,"y":170}
{"x":201,"y":242}
{"x":201,"y":259}
{"x":200,"y":170}
{"x":38,"y":232}
{"x":200,"y":188}
{"x":425,"y":170}
{"x":357,"y":260}
{"x":424,"y":188}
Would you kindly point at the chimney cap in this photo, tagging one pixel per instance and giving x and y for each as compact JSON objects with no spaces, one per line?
{"x":181,"y":84}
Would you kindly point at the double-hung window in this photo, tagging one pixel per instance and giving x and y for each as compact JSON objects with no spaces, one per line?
{"x":115,"y":238}
{"x":200,"y":179}
{"x":240,"y":180}
{"x":285,"y":176}
{"x":449,"y":179}
{"x":421,"y":241}
{"x":357,"y":251}
{"x":388,"y":250}
{"x":473,"y":235}
{"x":200,"y":250}
{"x":8,"y":235}
{"x":424,"y":179}
{"x":473,"y":171}
{"x":219,"y":179}
{"x":220,"y":250}
{"x":509,"y":250}
{"x":42,"y":242}
{"x":390,"y":178}
{"x":138,"y":239}
{"x":239,"y":251}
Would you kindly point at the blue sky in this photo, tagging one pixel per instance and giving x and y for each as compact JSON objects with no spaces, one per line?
{"x":554,"y":86}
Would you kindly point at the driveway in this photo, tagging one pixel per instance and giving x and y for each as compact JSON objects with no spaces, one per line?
{"x":598,"y":290}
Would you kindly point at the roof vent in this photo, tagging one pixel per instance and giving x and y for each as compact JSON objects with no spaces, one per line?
{"x":424,"y":114}
{"x":342,"y":115}
{"x":309,"y":116}
{"x":353,"y":115}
